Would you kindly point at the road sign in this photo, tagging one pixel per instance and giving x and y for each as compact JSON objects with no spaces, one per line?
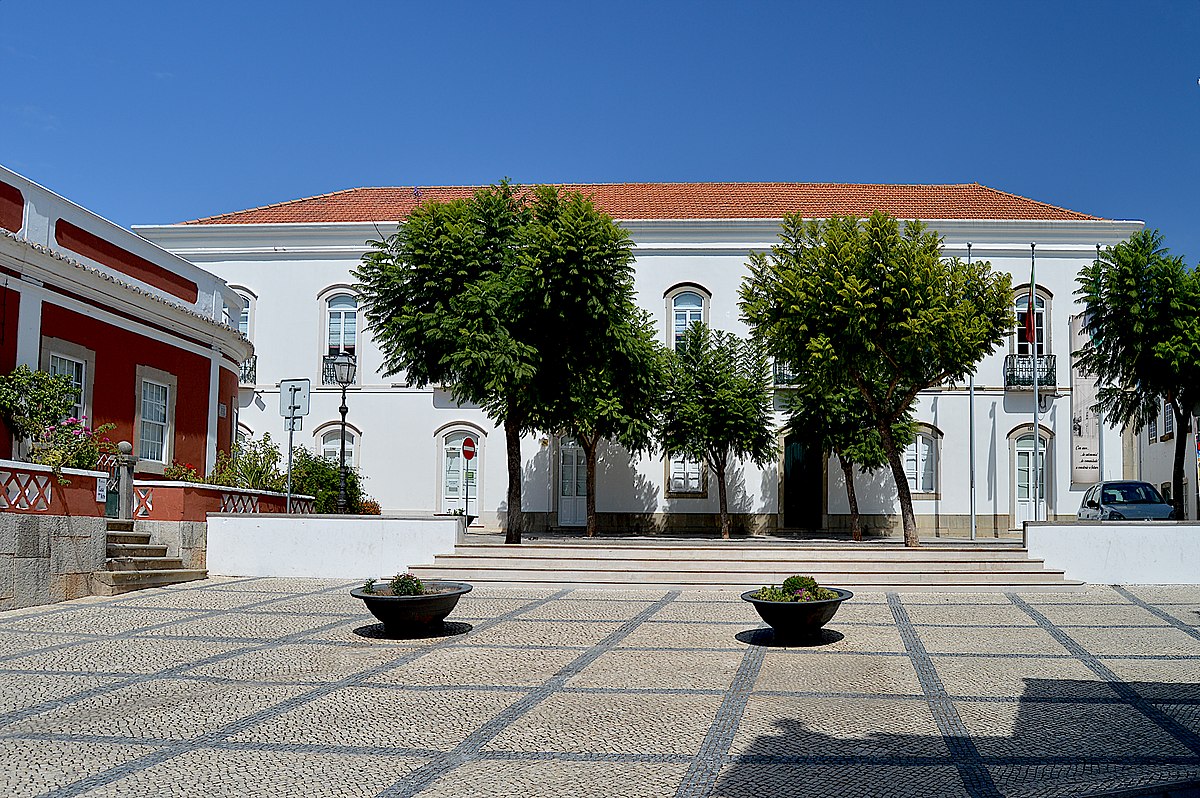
{"x":293,"y":398}
{"x":468,"y":448}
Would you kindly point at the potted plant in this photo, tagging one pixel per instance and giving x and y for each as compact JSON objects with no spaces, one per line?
{"x":799,"y":608}
{"x":406,"y":605}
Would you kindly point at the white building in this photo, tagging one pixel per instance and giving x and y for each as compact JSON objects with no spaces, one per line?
{"x":1154,"y":461}
{"x":292,"y":262}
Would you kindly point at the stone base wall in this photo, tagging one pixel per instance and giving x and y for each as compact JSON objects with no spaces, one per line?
{"x":942,"y":526}
{"x":187,"y":540}
{"x":48,"y":558}
{"x":665,"y":524}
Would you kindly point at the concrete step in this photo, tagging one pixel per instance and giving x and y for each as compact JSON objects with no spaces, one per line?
{"x":119,"y":525}
{"x":112,"y":583}
{"x":738,"y":551}
{"x":135,"y":538}
{"x":135,"y":550}
{"x":1063,"y":586}
{"x":143,"y":563}
{"x":786,"y":565}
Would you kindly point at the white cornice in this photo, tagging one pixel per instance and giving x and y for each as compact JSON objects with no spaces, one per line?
{"x":347,"y":240}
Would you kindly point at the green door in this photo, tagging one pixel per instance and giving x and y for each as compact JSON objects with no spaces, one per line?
{"x":803,"y":485}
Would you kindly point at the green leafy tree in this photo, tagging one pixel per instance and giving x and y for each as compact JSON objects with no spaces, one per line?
{"x":30,"y":401}
{"x":1143,"y":307}
{"x":448,"y":299}
{"x":602,"y":372}
{"x":718,"y":403}
{"x":873,"y":304}
{"x":320,"y":478}
{"x":835,"y":418}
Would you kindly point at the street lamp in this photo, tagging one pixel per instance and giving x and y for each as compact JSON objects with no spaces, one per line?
{"x":343,"y":367}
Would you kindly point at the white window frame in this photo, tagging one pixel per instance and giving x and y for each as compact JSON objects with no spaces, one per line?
{"x":325,"y":297}
{"x":353,"y":447}
{"x":1168,"y":417}
{"x":68,"y":350}
{"x":925,"y":446}
{"x":249,"y":303}
{"x":168,"y":380}
{"x":1152,"y":427}
{"x":670,"y":464}
{"x":440,"y":438}
{"x":676,"y":291}
{"x":1045,"y":331}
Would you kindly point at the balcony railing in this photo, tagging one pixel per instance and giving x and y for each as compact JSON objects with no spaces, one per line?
{"x":1019,"y":369}
{"x":250,"y":371}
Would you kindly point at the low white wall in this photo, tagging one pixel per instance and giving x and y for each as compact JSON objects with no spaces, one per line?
{"x":1132,"y":553}
{"x":330,"y":546}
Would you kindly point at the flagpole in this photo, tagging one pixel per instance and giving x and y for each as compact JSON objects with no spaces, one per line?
{"x":1099,"y":412}
{"x":1031,"y":310}
{"x":972,"y":428}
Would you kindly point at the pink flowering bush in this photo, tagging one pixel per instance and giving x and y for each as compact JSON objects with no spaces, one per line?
{"x":72,"y":444}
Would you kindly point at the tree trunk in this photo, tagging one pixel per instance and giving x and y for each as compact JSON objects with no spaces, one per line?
{"x":589,"y":453}
{"x":855,"y":521}
{"x":1181,"y":441}
{"x":902,"y":492}
{"x":723,"y":495}
{"x":515,"y":522}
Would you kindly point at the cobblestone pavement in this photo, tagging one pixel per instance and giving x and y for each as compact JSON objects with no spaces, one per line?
{"x":286,"y":687}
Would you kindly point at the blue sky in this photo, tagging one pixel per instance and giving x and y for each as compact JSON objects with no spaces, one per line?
{"x":159,"y":111}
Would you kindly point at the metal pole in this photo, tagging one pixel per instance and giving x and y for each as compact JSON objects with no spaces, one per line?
{"x":342,"y":487}
{"x":1099,"y":416}
{"x":1037,"y":435}
{"x":972,"y":428}
{"x":291,"y":425}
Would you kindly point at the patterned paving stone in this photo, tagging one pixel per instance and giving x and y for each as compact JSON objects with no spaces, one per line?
{"x":471,"y":607}
{"x":1064,"y":729}
{"x":521,"y":779}
{"x":1154,"y":641}
{"x":1165,"y":594}
{"x":575,"y":609}
{"x":1091,"y":594}
{"x":19,"y":690}
{"x":33,"y":767}
{"x":100,"y":620}
{"x":222,"y":773}
{"x":865,"y":727}
{"x":660,"y":670}
{"x":1092,"y":615}
{"x":612,"y":724}
{"x":532,"y":633}
{"x":966,"y":615}
{"x":479,"y":665}
{"x":1187,"y":714}
{"x":1005,"y":678}
{"x":245,"y":626}
{"x":1006,"y":640}
{"x":687,"y":635}
{"x":14,"y":644}
{"x":950,"y":599}
{"x":394,"y":719}
{"x":823,"y":672}
{"x":757,"y":780}
{"x":299,"y":662}
{"x":1071,"y":780}
{"x":708,"y":612}
{"x":1159,"y":678}
{"x":131,"y":655}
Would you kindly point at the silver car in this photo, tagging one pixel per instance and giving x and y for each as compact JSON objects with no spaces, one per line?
{"x":1125,"y":500}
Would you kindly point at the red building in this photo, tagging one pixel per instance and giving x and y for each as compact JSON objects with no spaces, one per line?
{"x":144,"y":334}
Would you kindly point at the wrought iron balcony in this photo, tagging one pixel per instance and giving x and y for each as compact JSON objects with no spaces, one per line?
{"x":1019,"y":370}
{"x":250,"y":371}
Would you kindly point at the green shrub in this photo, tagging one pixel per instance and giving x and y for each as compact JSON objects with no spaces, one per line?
{"x":406,"y":585}
{"x":320,"y":478}
{"x":795,"y":588}
{"x":30,"y":401}
{"x":253,"y":465}
{"x":369,"y":586}
{"x":794,"y":584}
{"x":72,"y":444}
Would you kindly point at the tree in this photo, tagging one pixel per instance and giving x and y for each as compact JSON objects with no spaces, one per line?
{"x":866,"y":302}
{"x":835,"y":418}
{"x":30,"y":401}
{"x":448,"y":299}
{"x":604,"y":372}
{"x":1143,"y":307}
{"x":717,"y":404}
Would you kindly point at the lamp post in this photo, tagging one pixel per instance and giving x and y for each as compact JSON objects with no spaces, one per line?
{"x":343,"y":367}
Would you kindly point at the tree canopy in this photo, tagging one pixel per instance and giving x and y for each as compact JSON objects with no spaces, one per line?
{"x":718,"y":404}
{"x":871,"y":304}
{"x":1143,"y":307}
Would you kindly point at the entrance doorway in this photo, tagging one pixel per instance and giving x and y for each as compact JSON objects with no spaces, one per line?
{"x":460,"y":487}
{"x":1024,"y":476}
{"x":572,"y":483}
{"x":803,"y":485}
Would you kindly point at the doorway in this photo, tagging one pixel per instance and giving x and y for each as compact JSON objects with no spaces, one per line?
{"x":803,"y":484}
{"x":1024,"y":478}
{"x":572,"y":483}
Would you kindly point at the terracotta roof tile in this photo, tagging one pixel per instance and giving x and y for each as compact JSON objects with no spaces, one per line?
{"x":685,"y":201}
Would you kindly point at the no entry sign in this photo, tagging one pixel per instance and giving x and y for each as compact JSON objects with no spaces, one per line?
{"x":468,"y":448}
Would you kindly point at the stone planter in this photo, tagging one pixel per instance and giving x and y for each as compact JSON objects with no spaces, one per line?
{"x":797,"y":620}
{"x":404,"y":615}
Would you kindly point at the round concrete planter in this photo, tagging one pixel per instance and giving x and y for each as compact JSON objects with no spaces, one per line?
{"x":796,"y":620}
{"x":414,"y":614}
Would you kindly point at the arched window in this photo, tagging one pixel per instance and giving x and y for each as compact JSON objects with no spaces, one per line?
{"x":1031,"y":474}
{"x":1041,"y":315}
{"x":687,"y":303}
{"x":341,"y":324}
{"x":331,"y":445}
{"x":921,"y":462}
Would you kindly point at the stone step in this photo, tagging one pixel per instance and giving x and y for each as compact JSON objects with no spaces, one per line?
{"x":136,"y":538}
{"x":784,"y":565}
{"x":1061,"y":586}
{"x":112,"y":583}
{"x":135,"y":550}
{"x":119,"y":525}
{"x":738,"y":551}
{"x":143,"y":563}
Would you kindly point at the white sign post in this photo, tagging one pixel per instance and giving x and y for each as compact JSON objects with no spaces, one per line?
{"x":293,"y":406}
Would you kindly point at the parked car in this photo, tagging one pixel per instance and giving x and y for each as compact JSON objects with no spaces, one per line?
{"x":1125,"y":500}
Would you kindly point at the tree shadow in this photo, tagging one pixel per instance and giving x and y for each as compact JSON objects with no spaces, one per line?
{"x":1060,"y":737}
{"x":377,"y":631}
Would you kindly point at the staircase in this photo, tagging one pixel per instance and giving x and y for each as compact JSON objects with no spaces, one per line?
{"x":134,"y":563}
{"x":746,"y":564}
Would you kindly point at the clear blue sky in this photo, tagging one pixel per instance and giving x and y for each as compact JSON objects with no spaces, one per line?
{"x":161,"y":111}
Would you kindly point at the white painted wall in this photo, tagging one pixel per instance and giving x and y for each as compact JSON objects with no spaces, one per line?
{"x":1133,"y":553}
{"x":327,"y":546}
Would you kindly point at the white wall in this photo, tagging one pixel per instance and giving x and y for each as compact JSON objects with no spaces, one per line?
{"x":327,"y":546}
{"x":1148,"y":552}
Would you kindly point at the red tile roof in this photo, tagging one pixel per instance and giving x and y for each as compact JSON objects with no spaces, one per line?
{"x":685,"y":201}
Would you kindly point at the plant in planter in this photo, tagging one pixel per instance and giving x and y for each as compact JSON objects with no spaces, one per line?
{"x":798,"y":608}
{"x":409,"y":606}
